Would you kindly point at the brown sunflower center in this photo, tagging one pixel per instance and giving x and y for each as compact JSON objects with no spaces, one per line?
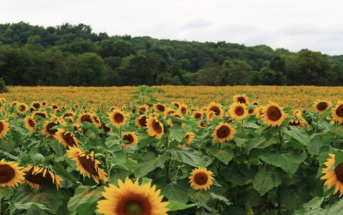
{"x":1,"y":126}
{"x":43,"y":115}
{"x":54,"y":107}
{"x":201,"y":178}
{"x":44,"y":103}
{"x":223,"y":131}
{"x":86,"y":118}
{"x":142,"y":121}
{"x":67,"y":115}
{"x":7,"y":173}
{"x":183,"y":110}
{"x":22,"y":108}
{"x":241,"y":99}
{"x":250,"y":111}
{"x":339,"y":172}
{"x":177,"y":105}
{"x":88,"y":165}
{"x":129,"y":138}
{"x":339,"y":111}
{"x":215,"y":109}
{"x":49,"y":126}
{"x":274,"y":113}
{"x":157,"y":127}
{"x":32,"y":124}
{"x":134,"y":207}
{"x":119,"y":118}
{"x":96,"y":119}
{"x":197,"y":115}
{"x":106,"y":129}
{"x":239,"y":111}
{"x":36,"y":105}
{"x":38,"y":178}
{"x":160,"y":108}
{"x":322,"y":106}
{"x":68,"y":138}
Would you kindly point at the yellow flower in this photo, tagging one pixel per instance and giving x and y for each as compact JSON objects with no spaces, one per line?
{"x":337,"y":112}
{"x":333,"y":175}
{"x":4,"y":128}
{"x":201,"y":179}
{"x":10,"y":174}
{"x":155,"y":128}
{"x":237,"y":111}
{"x":37,"y":177}
{"x":273,"y":115}
{"x":132,"y":139}
{"x":223,"y":132}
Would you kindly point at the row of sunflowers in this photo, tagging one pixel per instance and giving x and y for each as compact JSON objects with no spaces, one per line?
{"x":155,"y":157}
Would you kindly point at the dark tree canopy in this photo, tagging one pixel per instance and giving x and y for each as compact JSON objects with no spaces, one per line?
{"x":74,"y":55}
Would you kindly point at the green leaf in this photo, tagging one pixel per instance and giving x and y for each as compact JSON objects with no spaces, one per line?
{"x":298,"y":134}
{"x":177,"y":132}
{"x":186,"y":155}
{"x":312,"y":207}
{"x":37,"y":157}
{"x":260,"y":143}
{"x":317,"y":147}
{"x":29,"y":205}
{"x":87,"y":208}
{"x":336,"y":208}
{"x":266,"y":180}
{"x":178,"y":206}
{"x":220,"y":198}
{"x":224,"y":155}
{"x":251,"y":197}
{"x":84,"y":195}
{"x":6,"y":193}
{"x":289,"y":162}
{"x":175,"y":192}
{"x":338,"y":158}
{"x":61,"y":171}
{"x":144,"y":167}
{"x":292,"y":198}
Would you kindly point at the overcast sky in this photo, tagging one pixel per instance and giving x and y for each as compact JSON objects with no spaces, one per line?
{"x":290,"y":24}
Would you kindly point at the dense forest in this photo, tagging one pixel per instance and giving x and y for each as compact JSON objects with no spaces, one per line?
{"x":73,"y":55}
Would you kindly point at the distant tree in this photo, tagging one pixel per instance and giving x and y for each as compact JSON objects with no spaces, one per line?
{"x":235,"y":72}
{"x":208,"y":74}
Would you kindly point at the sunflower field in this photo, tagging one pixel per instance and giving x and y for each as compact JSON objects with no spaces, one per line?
{"x":171,"y":150}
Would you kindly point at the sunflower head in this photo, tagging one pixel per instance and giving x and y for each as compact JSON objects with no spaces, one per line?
{"x":4,"y":128}
{"x":169,"y":111}
{"x":242,"y":99}
{"x":155,"y":128}
{"x":68,"y":114}
{"x":321,"y":106}
{"x":183,"y":109}
{"x":176,"y":104}
{"x":173,"y":122}
{"x":30,"y":123}
{"x":10,"y":174}
{"x":117,"y":118}
{"x":131,"y":138}
{"x":197,"y":115}
{"x":47,"y":128}
{"x":66,"y":138}
{"x":39,"y":113}
{"x":37,"y":176}
{"x":87,"y":164}
{"x":141,"y":121}
{"x":216,"y":108}
{"x":143,"y":109}
{"x":333,"y":174}
{"x":273,"y":115}
{"x":22,"y":108}
{"x":131,"y":199}
{"x":237,"y":111}
{"x":85,"y":117}
{"x":44,"y":103}
{"x":159,"y":108}
{"x":223,"y":132}
{"x":35,"y":105}
{"x":106,"y":128}
{"x":189,"y":137}
{"x":201,"y":179}
{"x":337,"y":112}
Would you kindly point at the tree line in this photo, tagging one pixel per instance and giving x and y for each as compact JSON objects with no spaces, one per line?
{"x":73,"y":55}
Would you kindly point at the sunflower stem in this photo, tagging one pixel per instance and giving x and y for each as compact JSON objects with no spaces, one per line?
{"x":280,"y":139}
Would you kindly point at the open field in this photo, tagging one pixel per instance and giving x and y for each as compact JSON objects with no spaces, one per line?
{"x":209,"y":150}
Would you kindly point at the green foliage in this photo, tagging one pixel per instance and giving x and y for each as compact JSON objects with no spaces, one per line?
{"x":3,"y":87}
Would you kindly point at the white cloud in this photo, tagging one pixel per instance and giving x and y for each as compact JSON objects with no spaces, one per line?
{"x":291,"y":24}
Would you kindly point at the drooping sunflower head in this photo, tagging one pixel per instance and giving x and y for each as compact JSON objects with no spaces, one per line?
{"x":189,"y":136}
{"x":159,"y":108}
{"x":22,"y":108}
{"x":197,"y":115}
{"x":117,"y":118}
{"x":35,"y":105}
{"x":155,"y":128}
{"x":201,"y":179}
{"x":223,"y":132}
{"x":131,"y":199}
{"x":66,"y":138}
{"x":183,"y":109}
{"x":37,"y":176}
{"x":273,"y":115}
{"x":4,"y":128}
{"x":85,"y":117}
{"x":216,"y":108}
{"x":10,"y":174}
{"x":131,"y":138}
{"x":30,"y":123}
{"x":237,"y":111}
{"x":242,"y":99}
{"x":87,"y":164}
{"x":141,"y":121}
{"x":294,"y":122}
{"x":96,"y":120}
{"x":47,"y":128}
{"x":321,"y":106}
{"x":333,"y":174}
{"x":337,"y":112}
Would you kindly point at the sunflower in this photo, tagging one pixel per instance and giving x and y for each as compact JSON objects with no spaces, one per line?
{"x":106,"y":128}
{"x":44,"y":103}
{"x":259,"y":112}
{"x":30,"y":123}
{"x":183,"y":109}
{"x":155,"y":128}
{"x":54,"y":106}
{"x":14,"y":103}
{"x":201,"y":179}
{"x":39,"y":113}
{"x":67,"y":138}
{"x":141,"y":121}
{"x":159,"y":108}
{"x":210,"y":115}
{"x":96,"y":120}
{"x":4,"y":128}
{"x":10,"y":174}
{"x":76,"y":127}
{"x":22,"y":108}
{"x":132,"y":139}
{"x":223,"y":132}
{"x":35,"y":105}
{"x":216,"y":108}
{"x":321,"y":106}
{"x":197,"y":115}
{"x":337,"y":112}
{"x":172,"y":123}
{"x":237,"y":111}
{"x":37,"y":176}
{"x":242,"y":99}
{"x":117,"y":118}
{"x":189,"y":136}
{"x":47,"y":131}
{"x":87,"y":165}
{"x":131,"y":199}
{"x":252,"y":112}
{"x":68,"y":114}
{"x":143,"y":109}
{"x":203,"y":124}
{"x":273,"y":115}
{"x":85,"y":117}
{"x":176,"y":104}
{"x":169,"y":111}
{"x":333,"y":174}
